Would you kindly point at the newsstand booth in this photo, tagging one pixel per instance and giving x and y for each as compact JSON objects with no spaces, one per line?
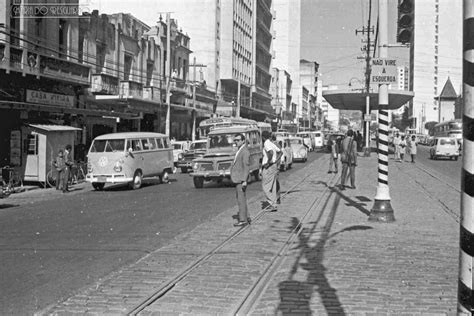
{"x":42,"y":145}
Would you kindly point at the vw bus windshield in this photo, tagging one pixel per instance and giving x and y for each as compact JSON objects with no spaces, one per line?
{"x":107,"y":145}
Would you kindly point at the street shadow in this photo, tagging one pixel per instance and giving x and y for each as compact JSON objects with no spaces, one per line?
{"x":351,"y":202}
{"x":6,"y":205}
{"x":296,"y":295}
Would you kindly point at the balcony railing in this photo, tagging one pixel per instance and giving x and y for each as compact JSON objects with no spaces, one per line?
{"x":104,"y":84}
{"x":152,"y":93}
{"x":32,"y":62}
{"x":130,"y":89}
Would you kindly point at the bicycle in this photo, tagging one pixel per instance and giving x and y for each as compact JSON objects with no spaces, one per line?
{"x":76,"y":174}
{"x":11,"y":180}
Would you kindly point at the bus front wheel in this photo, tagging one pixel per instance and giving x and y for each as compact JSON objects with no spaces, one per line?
{"x":165,"y":177}
{"x":98,"y":186}
{"x":198,"y":182}
{"x":137,"y":180}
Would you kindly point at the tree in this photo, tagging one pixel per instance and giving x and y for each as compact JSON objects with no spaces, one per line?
{"x":429,"y":126}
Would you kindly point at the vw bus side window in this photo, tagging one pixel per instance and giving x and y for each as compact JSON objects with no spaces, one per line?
{"x":159,"y":142}
{"x":165,"y":143}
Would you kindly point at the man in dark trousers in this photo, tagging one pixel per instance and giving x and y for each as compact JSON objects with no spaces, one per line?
{"x":239,"y":173}
{"x":69,"y":163}
{"x":348,"y":159}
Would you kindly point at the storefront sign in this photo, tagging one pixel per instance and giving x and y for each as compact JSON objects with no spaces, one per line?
{"x":41,"y":97}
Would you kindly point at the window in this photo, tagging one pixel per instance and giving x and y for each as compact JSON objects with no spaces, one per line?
{"x":159,"y":143}
{"x":151,"y":144}
{"x":127,"y":67}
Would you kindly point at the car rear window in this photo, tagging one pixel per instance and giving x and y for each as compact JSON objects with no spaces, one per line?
{"x":447,"y":142}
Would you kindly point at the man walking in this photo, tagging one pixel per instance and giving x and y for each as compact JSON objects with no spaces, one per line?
{"x":271,"y":154}
{"x":239,"y":173}
{"x":396,"y":146}
{"x":348,"y":159}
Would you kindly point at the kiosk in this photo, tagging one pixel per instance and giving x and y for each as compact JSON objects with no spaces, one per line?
{"x":42,"y":144}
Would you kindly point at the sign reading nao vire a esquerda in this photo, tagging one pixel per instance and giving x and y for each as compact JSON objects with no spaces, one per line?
{"x":383,"y":71}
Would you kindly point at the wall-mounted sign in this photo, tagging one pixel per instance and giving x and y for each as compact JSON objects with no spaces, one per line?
{"x":383,"y":71}
{"x":34,"y":96}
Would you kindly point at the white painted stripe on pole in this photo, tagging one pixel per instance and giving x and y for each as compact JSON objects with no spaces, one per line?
{"x":468,"y":154}
{"x":465,"y":267}
{"x":468,"y":9}
{"x":467,"y":218}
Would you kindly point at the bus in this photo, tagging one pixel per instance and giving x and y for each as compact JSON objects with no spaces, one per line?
{"x":129,"y":157}
{"x":452,"y":128}
{"x":214,"y":122}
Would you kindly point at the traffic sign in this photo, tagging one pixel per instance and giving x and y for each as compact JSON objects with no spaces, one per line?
{"x":383,"y":71}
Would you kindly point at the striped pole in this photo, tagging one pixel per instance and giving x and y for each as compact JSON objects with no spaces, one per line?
{"x":466,"y":242}
{"x":382,"y":210}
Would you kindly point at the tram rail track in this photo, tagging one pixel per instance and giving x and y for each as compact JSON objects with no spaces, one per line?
{"x":249,"y":299}
{"x":431,"y":173}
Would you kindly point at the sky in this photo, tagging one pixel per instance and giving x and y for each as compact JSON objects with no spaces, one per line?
{"x":327,"y":32}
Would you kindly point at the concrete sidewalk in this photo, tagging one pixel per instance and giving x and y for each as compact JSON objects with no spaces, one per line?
{"x":341,"y":264}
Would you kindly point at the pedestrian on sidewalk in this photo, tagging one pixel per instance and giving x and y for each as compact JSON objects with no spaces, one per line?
{"x":396,"y":146}
{"x":69,"y":163}
{"x":403,"y":145}
{"x":348,"y":159}
{"x":271,"y":154}
{"x":334,"y":151}
{"x":412,"y":148}
{"x":278,"y":187}
{"x":239,"y":173}
{"x":60,"y":166}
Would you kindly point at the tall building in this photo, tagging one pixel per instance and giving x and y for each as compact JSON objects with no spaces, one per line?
{"x":231,"y":41}
{"x":330,"y":114}
{"x":435,"y":55}
{"x":287,"y":44}
{"x":309,"y":80}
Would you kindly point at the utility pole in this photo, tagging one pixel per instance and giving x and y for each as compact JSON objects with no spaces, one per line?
{"x":237,"y":114}
{"x":369,"y":29}
{"x":194,"y":65}
{"x":168,"y":74}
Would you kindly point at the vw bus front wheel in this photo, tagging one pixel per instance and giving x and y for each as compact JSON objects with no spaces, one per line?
{"x":165,"y":177}
{"x":137,"y":180}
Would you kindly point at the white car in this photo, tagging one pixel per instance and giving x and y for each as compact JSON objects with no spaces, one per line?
{"x":446,"y":147}
{"x":300,"y":150}
{"x":286,"y":159}
{"x":179,"y":148}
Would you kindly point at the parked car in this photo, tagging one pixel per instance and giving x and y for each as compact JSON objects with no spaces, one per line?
{"x":196,"y":149}
{"x":286,"y":159}
{"x":215,"y":164}
{"x":299,"y":149}
{"x":179,"y":148}
{"x":446,"y":147}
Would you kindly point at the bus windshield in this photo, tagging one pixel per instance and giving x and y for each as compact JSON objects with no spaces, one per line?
{"x":108,"y":145}
{"x":221,"y":141}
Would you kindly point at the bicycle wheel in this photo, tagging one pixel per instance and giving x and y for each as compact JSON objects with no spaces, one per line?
{"x":51,"y":179}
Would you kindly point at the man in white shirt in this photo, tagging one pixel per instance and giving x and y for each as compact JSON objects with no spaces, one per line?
{"x":396,"y":145}
{"x":271,"y":154}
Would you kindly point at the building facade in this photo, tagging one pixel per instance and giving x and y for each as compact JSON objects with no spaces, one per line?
{"x":435,"y":55}
{"x":287,"y":44}
{"x":309,"y":80}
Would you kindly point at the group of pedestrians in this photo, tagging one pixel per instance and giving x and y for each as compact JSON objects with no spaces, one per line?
{"x":63,"y":164}
{"x":344,"y":149}
{"x":240,"y":171}
{"x":404,"y":146}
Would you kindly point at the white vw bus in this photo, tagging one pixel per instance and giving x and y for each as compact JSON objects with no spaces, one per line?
{"x":128,"y":158}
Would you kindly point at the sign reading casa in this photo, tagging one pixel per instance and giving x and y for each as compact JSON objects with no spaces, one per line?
{"x":383,"y":71}
{"x":34,"y":96}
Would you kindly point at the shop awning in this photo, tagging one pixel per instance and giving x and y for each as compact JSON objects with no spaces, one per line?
{"x":354,"y":100}
{"x":54,"y":128}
